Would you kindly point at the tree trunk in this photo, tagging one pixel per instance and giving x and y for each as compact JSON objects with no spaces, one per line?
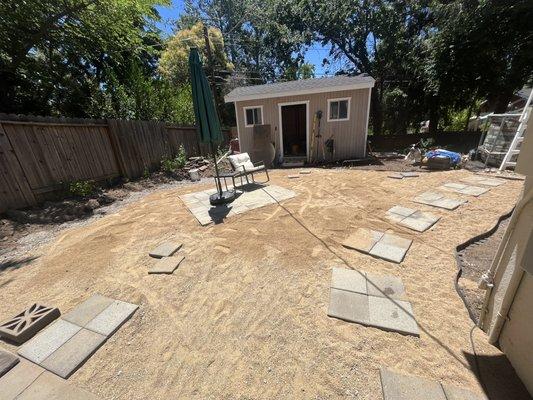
{"x":377,"y":112}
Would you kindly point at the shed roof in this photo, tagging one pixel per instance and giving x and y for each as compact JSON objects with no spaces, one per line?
{"x":300,"y":87}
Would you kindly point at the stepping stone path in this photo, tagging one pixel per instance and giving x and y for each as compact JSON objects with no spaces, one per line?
{"x":7,"y":361}
{"x":166,"y":265}
{"x":65,"y":345}
{"x":401,"y":175}
{"x":397,"y":386}
{"x":379,"y":244}
{"x":464,"y":189}
{"x":413,"y":219}
{"x":482,"y":180}
{"x":251,"y":197}
{"x":438,"y":200}
{"x":25,"y":325}
{"x":371,"y":300}
{"x":165,"y":250}
{"x":28,"y":381}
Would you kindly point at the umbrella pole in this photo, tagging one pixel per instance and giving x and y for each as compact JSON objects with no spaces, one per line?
{"x":217,"y":181}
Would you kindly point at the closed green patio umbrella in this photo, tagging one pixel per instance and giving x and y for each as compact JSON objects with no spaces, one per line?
{"x":207,"y":122}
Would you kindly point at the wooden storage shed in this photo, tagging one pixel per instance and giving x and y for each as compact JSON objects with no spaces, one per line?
{"x":290,"y":112}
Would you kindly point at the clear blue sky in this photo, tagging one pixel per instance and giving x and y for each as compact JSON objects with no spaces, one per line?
{"x":170,"y":14}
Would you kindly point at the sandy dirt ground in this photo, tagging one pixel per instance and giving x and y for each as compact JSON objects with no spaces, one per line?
{"x":244,"y":317}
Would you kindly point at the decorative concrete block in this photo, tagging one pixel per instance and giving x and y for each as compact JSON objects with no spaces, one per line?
{"x":109,"y":320}
{"x":165,"y":250}
{"x":345,"y":279}
{"x":25,"y":325}
{"x":362,"y":239}
{"x":404,"y":387}
{"x":48,"y":341}
{"x":348,"y":306}
{"x":7,"y":361}
{"x":69,"y":357}
{"x":20,"y":377}
{"x":385,"y":286}
{"x":166,"y":265}
{"x":84,"y":312}
{"x":393,"y":315}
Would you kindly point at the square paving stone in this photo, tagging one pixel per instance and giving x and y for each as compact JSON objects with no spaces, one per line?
{"x":392,"y":315}
{"x":395,"y":176}
{"x":410,"y":174}
{"x":69,"y":357}
{"x":403,"y":211}
{"x":25,"y":325}
{"x":481,"y":180}
{"x":456,"y":393}
{"x":454,"y":186}
{"x":48,"y":341}
{"x":420,"y":221}
{"x":293,"y":176}
{"x":7,"y":361}
{"x":166,"y":265}
{"x":18,"y":379}
{"x":474,"y":191}
{"x":305,"y":172}
{"x":51,"y":387}
{"x":385,"y":286}
{"x":448,"y":204}
{"x":348,"y":306}
{"x":346,"y":279}
{"x":109,"y":320}
{"x":362,"y":239}
{"x":388,"y":252}
{"x":86,"y":311}
{"x":165,"y":250}
{"x":430,"y":196}
{"x":404,"y":387}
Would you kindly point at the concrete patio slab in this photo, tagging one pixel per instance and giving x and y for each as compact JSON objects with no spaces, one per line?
{"x":69,"y":357}
{"x":249,"y":197}
{"x":50,"y":387}
{"x":456,"y":393}
{"x":395,"y":176}
{"x":482,"y":180}
{"x":346,"y":279}
{"x":392,"y":315}
{"x":464,"y":189}
{"x":385,"y":286}
{"x":403,"y":211}
{"x":7,"y":361}
{"x":388,"y":252}
{"x":26,"y":324}
{"x":419,"y":221}
{"x":166,"y":265}
{"x":18,"y":379}
{"x":362,"y":239}
{"x":404,"y":387}
{"x":84,"y":312}
{"x":430,"y":196}
{"x":48,"y":341}
{"x":474,"y":191}
{"x":109,"y":320}
{"x":348,"y":306}
{"x":448,"y":204}
{"x":165,"y":250}
{"x":438,"y":200}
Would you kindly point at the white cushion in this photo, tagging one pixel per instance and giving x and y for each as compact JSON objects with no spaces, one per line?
{"x":241,"y":160}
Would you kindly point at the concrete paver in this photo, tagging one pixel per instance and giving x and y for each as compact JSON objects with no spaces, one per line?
{"x":388,"y":252}
{"x":391,"y":314}
{"x":69,"y":357}
{"x":48,"y":341}
{"x":348,"y":306}
{"x":404,"y":387}
{"x":457,"y":393}
{"x":166,"y":265}
{"x":385,"y":286}
{"x":86,"y":311}
{"x":7,"y":361}
{"x":346,"y":279}
{"x":109,"y":320}
{"x":51,"y":387}
{"x":362,"y":239}
{"x":482,"y":180}
{"x":26,"y":324}
{"x":18,"y":379}
{"x":165,"y":250}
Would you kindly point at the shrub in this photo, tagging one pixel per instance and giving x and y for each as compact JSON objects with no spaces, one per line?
{"x":169,"y":164}
{"x":81,"y":188}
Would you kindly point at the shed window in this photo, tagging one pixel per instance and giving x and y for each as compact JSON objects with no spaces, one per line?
{"x":339,"y":109}
{"x":254,"y":116}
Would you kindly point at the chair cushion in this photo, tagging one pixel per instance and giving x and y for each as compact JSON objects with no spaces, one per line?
{"x":238,"y":161}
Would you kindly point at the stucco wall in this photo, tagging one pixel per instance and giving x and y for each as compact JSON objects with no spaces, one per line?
{"x":349,"y":136}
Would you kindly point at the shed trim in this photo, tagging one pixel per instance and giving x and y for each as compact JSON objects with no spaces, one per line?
{"x":339,"y":99}
{"x":251,"y":108}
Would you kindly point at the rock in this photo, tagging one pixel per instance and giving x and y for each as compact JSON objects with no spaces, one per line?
{"x":194,"y":175}
{"x":91,"y":205}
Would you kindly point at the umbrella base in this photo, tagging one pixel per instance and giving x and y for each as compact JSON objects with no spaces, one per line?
{"x":227,"y":197}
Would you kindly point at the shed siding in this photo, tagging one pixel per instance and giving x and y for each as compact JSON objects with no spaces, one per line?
{"x":349,"y":136}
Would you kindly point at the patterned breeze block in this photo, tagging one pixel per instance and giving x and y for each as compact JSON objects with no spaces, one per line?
{"x":26,"y":324}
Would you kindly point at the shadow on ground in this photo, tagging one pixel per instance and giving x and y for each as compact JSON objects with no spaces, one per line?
{"x":497,"y":377}
{"x":16,"y":263}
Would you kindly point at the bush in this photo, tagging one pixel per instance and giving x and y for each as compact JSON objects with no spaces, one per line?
{"x":81,"y":188}
{"x":171,"y":164}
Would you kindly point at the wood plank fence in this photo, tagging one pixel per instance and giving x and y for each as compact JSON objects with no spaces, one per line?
{"x":39,"y":155}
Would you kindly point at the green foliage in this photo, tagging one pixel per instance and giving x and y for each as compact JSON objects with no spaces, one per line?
{"x":171,"y":164}
{"x":82,"y":188}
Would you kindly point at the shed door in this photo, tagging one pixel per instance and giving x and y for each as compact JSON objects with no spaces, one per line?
{"x":294,"y":130}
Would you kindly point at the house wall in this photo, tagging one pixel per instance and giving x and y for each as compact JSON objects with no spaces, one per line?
{"x":349,"y":136}
{"x":513,"y":279}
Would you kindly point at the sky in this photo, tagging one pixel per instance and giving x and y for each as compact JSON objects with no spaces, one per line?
{"x":314,"y":56}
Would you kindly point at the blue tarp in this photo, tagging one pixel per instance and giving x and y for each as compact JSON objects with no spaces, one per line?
{"x":455,"y":158}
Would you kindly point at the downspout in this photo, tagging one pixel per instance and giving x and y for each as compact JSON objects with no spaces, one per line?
{"x":487,"y":280}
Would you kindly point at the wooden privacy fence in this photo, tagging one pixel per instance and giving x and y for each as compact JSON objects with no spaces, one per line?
{"x":38,"y":155}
